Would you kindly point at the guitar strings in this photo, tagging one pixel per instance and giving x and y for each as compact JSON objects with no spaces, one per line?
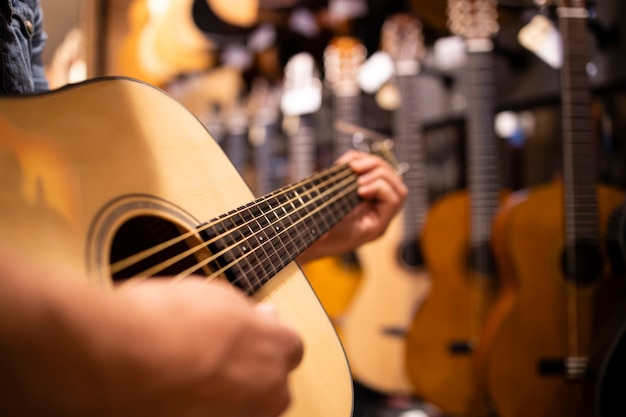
{"x":138,"y":257}
{"x":337,"y":196}
{"x":346,"y":185}
{"x":183,"y":274}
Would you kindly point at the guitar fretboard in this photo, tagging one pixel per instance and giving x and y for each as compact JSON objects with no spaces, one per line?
{"x":410,"y":147}
{"x":253,"y":243}
{"x":483,"y":162}
{"x":579,"y":168}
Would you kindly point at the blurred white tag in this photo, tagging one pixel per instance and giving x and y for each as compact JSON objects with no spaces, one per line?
{"x":541,"y":37}
{"x":375,"y":72}
{"x":305,"y":100}
{"x":450,"y":53}
{"x":302,"y":92}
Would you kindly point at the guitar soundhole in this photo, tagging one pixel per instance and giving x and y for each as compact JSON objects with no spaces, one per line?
{"x":142,"y":233}
{"x":481,"y":259}
{"x":350,"y":260}
{"x":582,"y":263}
{"x":410,"y":254}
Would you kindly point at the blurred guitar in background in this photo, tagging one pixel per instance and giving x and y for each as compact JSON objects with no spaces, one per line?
{"x":456,"y":239}
{"x":335,"y":279}
{"x":394,"y":281}
{"x":560,"y":299}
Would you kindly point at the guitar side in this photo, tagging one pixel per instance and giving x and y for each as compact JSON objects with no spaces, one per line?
{"x":78,"y":163}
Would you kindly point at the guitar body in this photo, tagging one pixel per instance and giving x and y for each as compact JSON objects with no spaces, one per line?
{"x":380,"y":313}
{"x":447,"y":379}
{"x":79,"y":164}
{"x":535,"y":328}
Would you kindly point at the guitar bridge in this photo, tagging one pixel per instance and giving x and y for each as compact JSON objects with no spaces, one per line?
{"x":571,"y":367}
{"x":462,"y":347}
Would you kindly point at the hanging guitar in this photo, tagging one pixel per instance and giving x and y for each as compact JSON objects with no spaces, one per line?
{"x":336,"y":278}
{"x":115,"y":180}
{"x":301,"y":101}
{"x":561,"y":296}
{"x":394,"y":281}
{"x":456,"y":239}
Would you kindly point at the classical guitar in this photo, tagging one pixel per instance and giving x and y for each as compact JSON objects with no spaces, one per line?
{"x":560,"y":297}
{"x":114,"y":179}
{"x":336,"y":278}
{"x":456,"y":239}
{"x":394,"y":281}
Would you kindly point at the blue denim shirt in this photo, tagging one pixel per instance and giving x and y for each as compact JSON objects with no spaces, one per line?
{"x":22,"y":41}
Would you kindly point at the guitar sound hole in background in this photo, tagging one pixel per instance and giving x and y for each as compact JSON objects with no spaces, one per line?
{"x":410,"y":254}
{"x":144,"y":232}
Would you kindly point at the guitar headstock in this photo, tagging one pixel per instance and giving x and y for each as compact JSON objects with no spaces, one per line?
{"x":342,"y":59}
{"x":302,"y":87}
{"x":473,"y":19}
{"x":402,"y":39}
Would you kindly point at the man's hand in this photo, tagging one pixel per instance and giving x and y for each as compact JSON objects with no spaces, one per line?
{"x":383,"y":193}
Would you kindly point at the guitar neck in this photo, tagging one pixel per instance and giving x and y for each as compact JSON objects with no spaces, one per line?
{"x":579,"y":169}
{"x":409,"y":145}
{"x":254,"y":242}
{"x":483,"y":161}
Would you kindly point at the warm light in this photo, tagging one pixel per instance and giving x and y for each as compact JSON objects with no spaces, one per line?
{"x":157,"y":7}
{"x":507,"y":123}
{"x":449,"y":53}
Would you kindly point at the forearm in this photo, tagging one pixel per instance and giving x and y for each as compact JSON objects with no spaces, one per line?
{"x":44,"y":371}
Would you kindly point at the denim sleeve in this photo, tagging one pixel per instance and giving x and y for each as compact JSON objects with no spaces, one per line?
{"x":37,"y":46}
{"x":22,"y":40}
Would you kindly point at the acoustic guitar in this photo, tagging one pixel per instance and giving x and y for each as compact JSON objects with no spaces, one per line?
{"x":115,"y":180}
{"x":394,"y":281}
{"x":456,"y":239}
{"x":561,"y":298}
